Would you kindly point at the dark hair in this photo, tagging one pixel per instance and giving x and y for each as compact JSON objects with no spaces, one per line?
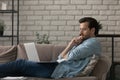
{"x":92,"y":23}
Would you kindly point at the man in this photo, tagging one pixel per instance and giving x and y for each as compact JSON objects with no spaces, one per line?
{"x":71,"y":61}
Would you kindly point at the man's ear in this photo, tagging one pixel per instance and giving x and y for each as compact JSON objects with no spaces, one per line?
{"x":93,"y":30}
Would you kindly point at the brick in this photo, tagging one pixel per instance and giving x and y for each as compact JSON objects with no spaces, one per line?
{"x":114,"y":7}
{"x":30,"y":38}
{"x":45,"y":2}
{"x":27,"y":13}
{"x":71,"y":33}
{"x":41,"y":32}
{"x":34,"y":28}
{"x":114,"y":17}
{"x":109,"y":23}
{"x":94,"y":2}
{"x":58,"y":23}
{"x":66,"y":28}
{"x":92,"y":12}
{"x":84,"y":7}
{"x":56,"y":33}
{"x":6,"y":43}
{"x":41,"y":13}
{"x":78,"y":1}
{"x":72,"y":22}
{"x":107,"y":32}
{"x":4,"y":39}
{"x":100,"y":7}
{"x":61,"y":1}
{"x":43,"y":23}
{"x":110,"y":2}
{"x":74,"y":12}
{"x":50,"y":28}
{"x":27,"y":23}
{"x":57,"y":12}
{"x":26,"y":33}
{"x":77,"y":17}
{"x":52,"y":7}
{"x":66,"y":17}
{"x":69,"y":7}
{"x":22,"y":38}
{"x":101,"y":18}
{"x":34,"y":17}
{"x":117,"y":12}
{"x":22,"y":18}
{"x":51,"y":38}
{"x":118,"y":23}
{"x":111,"y":28}
{"x":116,"y":28}
{"x":50,"y":17}
{"x":30,"y":2}
{"x":107,"y":12}
{"x":37,"y":7}
{"x":23,"y":8}
{"x":117,"y":32}
{"x":22,"y":28}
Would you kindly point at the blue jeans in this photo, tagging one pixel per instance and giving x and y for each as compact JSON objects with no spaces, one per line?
{"x":27,"y":69}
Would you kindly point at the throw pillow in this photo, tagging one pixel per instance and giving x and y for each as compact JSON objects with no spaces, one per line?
{"x":7,"y":53}
{"x":88,"y":69}
{"x":21,"y":53}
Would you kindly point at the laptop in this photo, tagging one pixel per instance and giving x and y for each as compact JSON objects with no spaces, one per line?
{"x":31,"y":52}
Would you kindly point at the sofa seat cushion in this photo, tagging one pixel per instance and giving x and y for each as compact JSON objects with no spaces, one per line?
{"x":75,"y":78}
{"x":8,"y":53}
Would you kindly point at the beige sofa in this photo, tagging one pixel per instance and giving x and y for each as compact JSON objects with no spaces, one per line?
{"x":49,"y":52}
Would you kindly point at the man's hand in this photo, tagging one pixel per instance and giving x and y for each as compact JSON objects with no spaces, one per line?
{"x":76,"y":41}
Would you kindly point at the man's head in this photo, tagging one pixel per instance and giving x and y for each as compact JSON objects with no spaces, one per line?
{"x":89,"y":27}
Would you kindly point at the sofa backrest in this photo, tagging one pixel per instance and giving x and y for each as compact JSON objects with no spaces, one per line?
{"x":57,"y":49}
{"x":102,"y":67}
{"x":44,"y":52}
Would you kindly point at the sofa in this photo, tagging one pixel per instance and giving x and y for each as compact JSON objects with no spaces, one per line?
{"x":49,"y":52}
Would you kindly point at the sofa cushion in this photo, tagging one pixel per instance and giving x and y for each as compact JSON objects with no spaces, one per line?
{"x":8,"y":53}
{"x":57,"y":49}
{"x":46,"y":49}
{"x":75,"y":78}
{"x":90,"y":66}
{"x":21,"y":53}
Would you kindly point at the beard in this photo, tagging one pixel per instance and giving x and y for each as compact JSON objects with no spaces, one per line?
{"x":84,"y":36}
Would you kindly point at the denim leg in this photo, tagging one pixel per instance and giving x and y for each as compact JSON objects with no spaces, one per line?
{"x":43,"y":70}
{"x":27,"y":68}
{"x":11,"y":68}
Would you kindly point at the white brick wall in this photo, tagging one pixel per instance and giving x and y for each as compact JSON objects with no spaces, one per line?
{"x":59,"y":19}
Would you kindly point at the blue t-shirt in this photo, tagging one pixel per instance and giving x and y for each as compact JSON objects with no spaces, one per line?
{"x":78,"y":57}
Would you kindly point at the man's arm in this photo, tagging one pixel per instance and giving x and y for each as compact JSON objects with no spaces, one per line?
{"x":73,"y":42}
{"x":88,"y":48}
